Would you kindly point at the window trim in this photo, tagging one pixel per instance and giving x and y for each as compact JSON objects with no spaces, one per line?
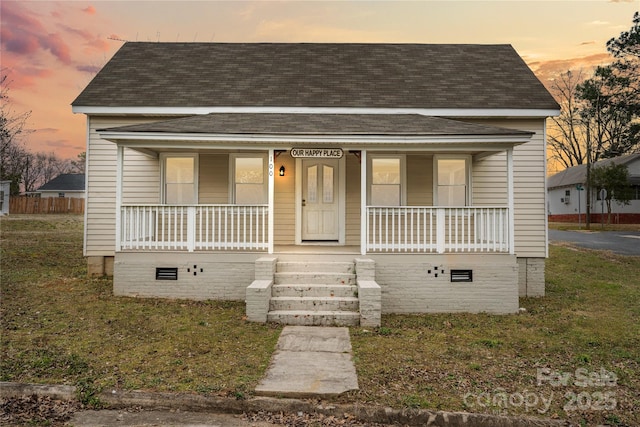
{"x":232,"y":174}
{"x":163,"y":170}
{"x":403,"y":175}
{"x":468,"y":171}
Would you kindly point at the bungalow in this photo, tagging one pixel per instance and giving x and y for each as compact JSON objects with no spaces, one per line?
{"x":567,"y":201}
{"x":321,"y":183}
{"x":68,"y":185}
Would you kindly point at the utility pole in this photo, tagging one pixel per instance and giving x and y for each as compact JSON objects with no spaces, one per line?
{"x":588,"y":183}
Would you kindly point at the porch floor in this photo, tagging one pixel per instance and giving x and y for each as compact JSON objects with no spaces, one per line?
{"x":316,"y":249}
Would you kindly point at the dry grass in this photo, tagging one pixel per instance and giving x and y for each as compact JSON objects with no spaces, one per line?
{"x":60,"y":327}
{"x":590,"y":319}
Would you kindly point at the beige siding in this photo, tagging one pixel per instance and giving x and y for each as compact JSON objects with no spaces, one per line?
{"x":352,"y":211}
{"x":213,"y":179}
{"x":529,"y":185}
{"x":419,"y":180}
{"x":284,"y":209}
{"x":141,"y":184}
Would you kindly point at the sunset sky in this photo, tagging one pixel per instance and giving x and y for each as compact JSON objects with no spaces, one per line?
{"x":52,"y":49}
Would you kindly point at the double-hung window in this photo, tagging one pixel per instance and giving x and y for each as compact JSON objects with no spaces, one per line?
{"x":180,"y":179}
{"x":452,"y":181}
{"x":387,"y":181}
{"x":248,"y":178}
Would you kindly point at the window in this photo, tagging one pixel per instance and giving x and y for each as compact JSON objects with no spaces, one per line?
{"x":60,"y":194}
{"x":451,"y":181}
{"x":180,"y":179}
{"x":249,"y":183}
{"x":386,"y":181}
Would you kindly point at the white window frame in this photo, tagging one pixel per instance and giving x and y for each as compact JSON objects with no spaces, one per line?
{"x":163,"y":167}
{"x":467,"y":159}
{"x":403,"y":175}
{"x":232,"y":174}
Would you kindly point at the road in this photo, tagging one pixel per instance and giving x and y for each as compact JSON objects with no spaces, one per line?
{"x":619,"y":242}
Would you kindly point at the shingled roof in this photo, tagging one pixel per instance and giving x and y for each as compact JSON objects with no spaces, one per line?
{"x":578,"y":174}
{"x":425,"y":76}
{"x":318,"y":124}
{"x":65,"y":182}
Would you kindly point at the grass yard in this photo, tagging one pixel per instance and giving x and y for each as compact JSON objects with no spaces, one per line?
{"x":60,"y":327}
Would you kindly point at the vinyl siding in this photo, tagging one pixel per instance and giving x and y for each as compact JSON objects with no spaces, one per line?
{"x":141,"y":176}
{"x":489,"y":182}
{"x":352,"y":211}
{"x":284,"y":210}
{"x":419,"y":180}
{"x":213,"y":179}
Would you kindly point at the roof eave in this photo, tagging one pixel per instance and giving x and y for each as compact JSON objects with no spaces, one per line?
{"x":161,"y":139}
{"x":441,"y":112}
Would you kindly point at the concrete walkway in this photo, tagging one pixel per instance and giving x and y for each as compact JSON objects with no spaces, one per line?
{"x":310,"y":361}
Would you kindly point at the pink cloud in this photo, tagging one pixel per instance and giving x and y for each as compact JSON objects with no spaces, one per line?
{"x":91,"y":69}
{"x":98,"y":44}
{"x":23,"y":34}
{"x":22,"y":77}
{"x":90,"y":10}
{"x":547,"y":71}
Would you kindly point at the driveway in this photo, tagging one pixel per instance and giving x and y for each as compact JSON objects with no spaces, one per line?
{"x":619,"y":242}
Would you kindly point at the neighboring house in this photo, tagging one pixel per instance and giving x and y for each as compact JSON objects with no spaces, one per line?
{"x":332,"y":178}
{"x":70,"y":185}
{"x":567,"y":201}
{"x":5,"y":191}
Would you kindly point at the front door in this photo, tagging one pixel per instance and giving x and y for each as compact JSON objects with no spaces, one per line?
{"x":320,"y":201}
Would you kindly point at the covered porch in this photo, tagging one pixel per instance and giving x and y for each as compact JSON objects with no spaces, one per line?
{"x":384,"y":177}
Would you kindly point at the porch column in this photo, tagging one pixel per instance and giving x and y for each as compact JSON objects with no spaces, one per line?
{"x":119,"y":168}
{"x":511,"y":201}
{"x":363,"y":202}
{"x":271,"y":199}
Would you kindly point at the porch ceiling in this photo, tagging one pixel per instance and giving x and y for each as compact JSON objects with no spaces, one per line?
{"x":252,"y":130}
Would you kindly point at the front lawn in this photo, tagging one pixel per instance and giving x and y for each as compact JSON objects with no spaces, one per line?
{"x":57,"y":326}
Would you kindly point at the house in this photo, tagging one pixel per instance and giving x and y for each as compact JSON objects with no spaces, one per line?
{"x":321,"y":183}
{"x":567,"y":201}
{"x":69,"y":185}
{"x":5,"y":192}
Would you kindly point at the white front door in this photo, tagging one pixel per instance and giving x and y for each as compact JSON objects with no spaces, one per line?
{"x":320,"y":200}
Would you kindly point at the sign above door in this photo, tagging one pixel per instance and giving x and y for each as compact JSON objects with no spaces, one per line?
{"x":317,"y":153}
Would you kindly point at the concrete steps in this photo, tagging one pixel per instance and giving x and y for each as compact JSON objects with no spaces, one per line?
{"x":314,"y":318}
{"x":314,"y":294}
{"x":314,"y":303}
{"x":314,"y":290}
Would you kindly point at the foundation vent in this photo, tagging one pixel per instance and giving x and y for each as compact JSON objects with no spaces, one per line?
{"x":166,"y":273}
{"x":462,"y":275}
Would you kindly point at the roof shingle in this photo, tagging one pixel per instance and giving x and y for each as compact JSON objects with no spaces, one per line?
{"x":430,"y":76}
{"x":318,"y":124}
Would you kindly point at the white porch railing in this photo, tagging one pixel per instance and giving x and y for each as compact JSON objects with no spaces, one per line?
{"x":437,"y":229}
{"x":190,"y":228}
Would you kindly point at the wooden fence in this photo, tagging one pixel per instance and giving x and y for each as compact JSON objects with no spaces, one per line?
{"x":46,"y":205}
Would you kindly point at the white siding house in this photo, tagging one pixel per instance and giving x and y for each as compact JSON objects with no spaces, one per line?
{"x":321,"y":183}
{"x":67,"y":185}
{"x":567,"y":201}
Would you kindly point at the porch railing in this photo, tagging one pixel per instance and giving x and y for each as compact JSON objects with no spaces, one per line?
{"x":191,"y":228}
{"x":437,"y":229}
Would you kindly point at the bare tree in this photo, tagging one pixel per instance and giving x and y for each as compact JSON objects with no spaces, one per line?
{"x":12,"y":129}
{"x":566,"y":133}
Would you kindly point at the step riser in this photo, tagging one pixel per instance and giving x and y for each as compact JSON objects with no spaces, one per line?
{"x":339,"y":291}
{"x":313,"y":319}
{"x":299,"y":304}
{"x":328,"y":267}
{"x":314,"y":278}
